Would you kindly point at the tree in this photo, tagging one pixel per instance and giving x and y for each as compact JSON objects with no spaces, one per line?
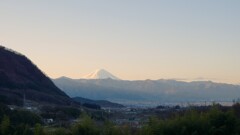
{"x":60,"y":131}
{"x":5,"y":125}
{"x":38,"y":130}
{"x":27,"y":130}
{"x":110,"y":129}
{"x":85,"y":127}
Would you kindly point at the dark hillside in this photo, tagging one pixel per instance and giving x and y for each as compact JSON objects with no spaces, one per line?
{"x":18,"y":75}
{"x":102,"y":103}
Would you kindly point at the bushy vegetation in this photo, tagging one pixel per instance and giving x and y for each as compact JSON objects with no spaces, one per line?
{"x":214,"y":122}
{"x":17,"y":122}
{"x":192,"y":122}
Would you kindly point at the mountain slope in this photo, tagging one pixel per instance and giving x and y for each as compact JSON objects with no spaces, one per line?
{"x":100,"y":74}
{"x":102,"y":103}
{"x":19,"y":76}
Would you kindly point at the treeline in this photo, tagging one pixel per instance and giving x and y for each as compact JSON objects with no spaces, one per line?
{"x":213,"y":122}
{"x":216,"y":121}
{"x":17,"y":122}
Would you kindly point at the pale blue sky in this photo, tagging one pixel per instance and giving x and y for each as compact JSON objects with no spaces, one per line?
{"x":133,"y":39}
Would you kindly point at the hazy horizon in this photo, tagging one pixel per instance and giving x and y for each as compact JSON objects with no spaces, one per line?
{"x":134,"y":40}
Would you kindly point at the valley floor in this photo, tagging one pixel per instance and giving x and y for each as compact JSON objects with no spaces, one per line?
{"x":162,"y":120}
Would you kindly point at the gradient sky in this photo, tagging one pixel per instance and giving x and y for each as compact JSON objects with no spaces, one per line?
{"x":133,"y":39}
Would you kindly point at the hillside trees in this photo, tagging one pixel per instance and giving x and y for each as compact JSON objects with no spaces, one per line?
{"x":213,"y":122}
{"x":5,"y":125}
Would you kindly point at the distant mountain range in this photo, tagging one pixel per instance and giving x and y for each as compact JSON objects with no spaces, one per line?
{"x":148,"y":91}
{"x":20,"y":78}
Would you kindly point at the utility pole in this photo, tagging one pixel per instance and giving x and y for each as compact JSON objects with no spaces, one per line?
{"x":24,"y":99}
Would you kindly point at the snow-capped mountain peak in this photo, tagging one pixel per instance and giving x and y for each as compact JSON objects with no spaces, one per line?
{"x":100,"y":74}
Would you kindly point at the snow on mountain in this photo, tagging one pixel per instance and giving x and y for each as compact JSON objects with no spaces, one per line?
{"x":100,"y":74}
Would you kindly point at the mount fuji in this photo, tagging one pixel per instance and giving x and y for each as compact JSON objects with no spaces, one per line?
{"x":100,"y":74}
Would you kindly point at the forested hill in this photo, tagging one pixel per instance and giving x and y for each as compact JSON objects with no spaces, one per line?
{"x":18,"y":75}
